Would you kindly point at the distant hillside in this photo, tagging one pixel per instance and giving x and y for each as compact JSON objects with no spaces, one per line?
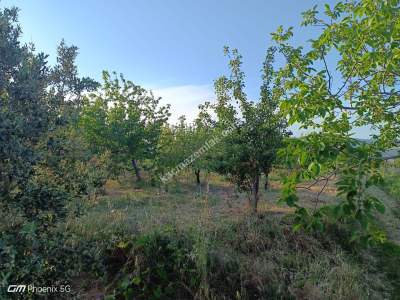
{"x":389,"y":154}
{"x":392,"y":153}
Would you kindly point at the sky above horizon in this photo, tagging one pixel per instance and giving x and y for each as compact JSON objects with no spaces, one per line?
{"x":173,"y":47}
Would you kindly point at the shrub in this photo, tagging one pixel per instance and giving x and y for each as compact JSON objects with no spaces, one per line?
{"x":29,"y":253}
{"x":154,"y":266}
{"x":43,"y":199}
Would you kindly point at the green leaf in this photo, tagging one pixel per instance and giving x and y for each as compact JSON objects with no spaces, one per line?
{"x":297,"y":227}
{"x":136,"y":280}
{"x":379,"y":206}
{"x":314,"y":168}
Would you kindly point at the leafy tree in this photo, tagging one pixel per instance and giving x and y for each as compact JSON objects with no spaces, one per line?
{"x":64,"y":76}
{"x":348,"y":78}
{"x":30,"y":109}
{"x":173,"y":147}
{"x":169,"y":153}
{"x":69,"y":158}
{"x":203,"y":130}
{"x":250,"y":149}
{"x":24,"y":107}
{"x":43,"y":163}
{"x":184,"y":141}
{"x":124,"y":119}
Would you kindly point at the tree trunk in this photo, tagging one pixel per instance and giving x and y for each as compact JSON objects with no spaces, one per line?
{"x":266,"y":184}
{"x":197,"y":172}
{"x":254,"y":194}
{"x":137,"y":170}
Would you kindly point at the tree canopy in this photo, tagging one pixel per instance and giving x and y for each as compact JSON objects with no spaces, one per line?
{"x":124,"y":119}
{"x":348,"y":78}
{"x":251,"y":148}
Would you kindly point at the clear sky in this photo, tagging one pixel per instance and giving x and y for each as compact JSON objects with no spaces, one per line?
{"x":174,"y":47}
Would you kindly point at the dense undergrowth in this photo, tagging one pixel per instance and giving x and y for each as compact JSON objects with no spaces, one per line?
{"x":250,"y":257}
{"x":136,"y":246}
{"x":254,"y":258}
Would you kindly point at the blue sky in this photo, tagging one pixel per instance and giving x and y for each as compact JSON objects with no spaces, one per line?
{"x":161,"y":43}
{"x":174,"y":47}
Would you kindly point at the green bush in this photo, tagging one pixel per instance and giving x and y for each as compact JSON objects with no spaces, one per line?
{"x":43,"y":199}
{"x":72,"y":163}
{"x":30,"y":254}
{"x":154,"y":266}
{"x":250,"y":259}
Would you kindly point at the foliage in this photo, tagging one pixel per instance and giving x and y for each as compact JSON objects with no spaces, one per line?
{"x":204,"y":128}
{"x":250,"y":149}
{"x":31,"y":106}
{"x":70,"y":159}
{"x":123,"y":119}
{"x":63,"y":136}
{"x":359,"y":39}
{"x":24,"y":113}
{"x":155,"y":267}
{"x":33,"y":196}
{"x":249,"y":259}
{"x":389,"y":258}
{"x":178,"y":142}
{"x":391,"y":179}
{"x":29,"y":254}
{"x":66,"y":82}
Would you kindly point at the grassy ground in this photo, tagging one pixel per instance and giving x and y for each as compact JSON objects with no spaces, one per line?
{"x":229,"y":253}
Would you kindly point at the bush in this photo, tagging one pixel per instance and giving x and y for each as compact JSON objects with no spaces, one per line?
{"x":43,"y":199}
{"x":46,"y":257}
{"x":251,"y":259}
{"x":154,"y":266}
{"x":76,"y":168}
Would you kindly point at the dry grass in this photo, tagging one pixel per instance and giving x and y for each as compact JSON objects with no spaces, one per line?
{"x":269,"y":255}
{"x":183,"y":203}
